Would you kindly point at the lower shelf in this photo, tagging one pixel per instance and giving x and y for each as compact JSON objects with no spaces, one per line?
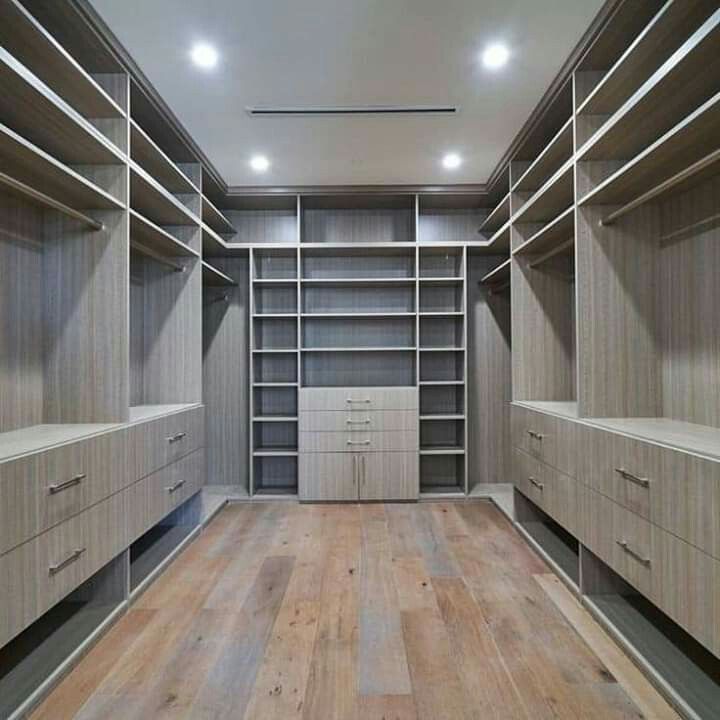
{"x":442,"y":474}
{"x":275,"y":475}
{"x":149,"y":551}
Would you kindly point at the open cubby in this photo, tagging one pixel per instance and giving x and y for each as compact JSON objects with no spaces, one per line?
{"x":367,"y":369}
{"x":275,"y":368}
{"x":274,"y":264}
{"x":442,"y":332}
{"x":442,"y":400}
{"x":275,"y":299}
{"x":275,"y":333}
{"x":357,"y":300}
{"x":275,"y":475}
{"x":358,"y":332}
{"x":441,"y":297}
{"x":363,"y":263}
{"x":442,"y":473}
{"x":441,"y":262}
{"x":442,"y":434}
{"x":261,"y":219}
{"x":442,"y":366}
{"x":269,"y":401}
{"x":448,"y":217}
{"x":272,"y":435}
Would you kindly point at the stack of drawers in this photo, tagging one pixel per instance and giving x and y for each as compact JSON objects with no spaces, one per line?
{"x":358,"y":444}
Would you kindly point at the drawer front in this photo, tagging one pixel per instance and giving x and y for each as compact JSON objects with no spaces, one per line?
{"x":355,"y":422}
{"x":160,"y":442}
{"x":39,"y":491}
{"x":552,"y":491}
{"x":389,"y":476}
{"x":681,"y":580}
{"x":155,"y":496}
{"x":546,"y":437}
{"x":675,"y":490}
{"x":328,"y":477}
{"x":42,"y":571}
{"x":358,"y":398}
{"x":369,"y":442}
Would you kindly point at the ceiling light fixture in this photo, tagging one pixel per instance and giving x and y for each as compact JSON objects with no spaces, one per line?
{"x":452,"y":161}
{"x":204,"y":56}
{"x":495,"y":56}
{"x":259,"y":163}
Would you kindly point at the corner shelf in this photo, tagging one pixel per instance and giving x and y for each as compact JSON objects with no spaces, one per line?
{"x":500,"y":274}
{"x":214,"y":219}
{"x":152,"y":200}
{"x":555,"y":153}
{"x":500,"y":241}
{"x":156,"y":239}
{"x":211,"y":241}
{"x":552,"y":198}
{"x":212,"y":277}
{"x":552,"y":235}
{"x":497,"y":217}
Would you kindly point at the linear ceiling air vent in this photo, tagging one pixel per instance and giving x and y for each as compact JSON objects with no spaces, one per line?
{"x":355,"y":110}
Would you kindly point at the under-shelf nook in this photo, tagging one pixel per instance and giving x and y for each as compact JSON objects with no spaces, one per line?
{"x":442,"y":474}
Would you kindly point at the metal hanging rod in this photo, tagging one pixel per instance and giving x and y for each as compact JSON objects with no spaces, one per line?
{"x":705,"y":222}
{"x":220,"y":298}
{"x":156,"y":256}
{"x":46,"y":200}
{"x":552,"y":253}
{"x":676,"y":179}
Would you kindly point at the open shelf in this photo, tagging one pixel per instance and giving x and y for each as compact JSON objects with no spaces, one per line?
{"x":442,"y":473}
{"x":358,"y":333}
{"x":379,"y":348}
{"x":150,"y":550}
{"x":371,"y":282}
{"x":215,"y":219}
{"x":442,"y":402}
{"x":275,"y":333}
{"x":500,"y":241}
{"x":275,"y":265}
{"x":369,"y":368}
{"x":143,"y":413}
{"x":160,"y":241}
{"x":212,"y":243}
{"x":557,"y":152}
{"x":215,"y":278}
{"x":497,"y":217}
{"x":498,"y":275}
{"x":275,"y":368}
{"x":367,"y":264}
{"x":46,"y":120}
{"x":152,"y":200}
{"x":276,"y":435}
{"x":146,"y":153}
{"x":555,"y":233}
{"x":450,"y":217}
{"x":551,"y":199}
{"x":685,"y":81}
{"x":440,"y":434}
{"x":563,"y":408}
{"x":275,"y":474}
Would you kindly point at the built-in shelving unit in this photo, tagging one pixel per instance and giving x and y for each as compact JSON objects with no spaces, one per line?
{"x":213,"y":277}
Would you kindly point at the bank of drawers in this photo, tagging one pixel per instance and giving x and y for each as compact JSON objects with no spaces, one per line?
{"x":675,"y":490}
{"x":360,"y":399}
{"x":680,"y":579}
{"x":369,"y":442}
{"x":41,"y":572}
{"x":358,"y":421}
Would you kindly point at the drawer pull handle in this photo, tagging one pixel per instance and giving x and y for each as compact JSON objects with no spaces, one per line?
{"x":72,"y":482}
{"x":535,"y":435}
{"x":624,"y":545}
{"x":176,"y":486}
{"x":641,"y":481}
{"x":175,"y":438}
{"x":358,"y":422}
{"x":54,"y":569}
{"x":358,"y":442}
{"x":538,"y":485}
{"x":364,"y":401}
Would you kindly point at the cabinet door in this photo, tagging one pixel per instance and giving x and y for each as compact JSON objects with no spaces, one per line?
{"x":328,"y":476}
{"x":388,"y":476}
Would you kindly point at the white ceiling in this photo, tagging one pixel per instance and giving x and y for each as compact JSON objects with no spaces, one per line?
{"x":350,"y":52}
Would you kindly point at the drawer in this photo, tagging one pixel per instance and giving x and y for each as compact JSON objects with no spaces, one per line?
{"x":546,"y":437}
{"x":389,"y":476}
{"x":42,"y":571}
{"x":680,"y":579}
{"x":41,"y":490}
{"x":675,"y":490}
{"x":160,"y":442}
{"x":328,"y":477}
{"x":358,"y":398}
{"x":552,"y":491}
{"x":367,"y":420}
{"x":327,"y":442}
{"x":156,"y":495}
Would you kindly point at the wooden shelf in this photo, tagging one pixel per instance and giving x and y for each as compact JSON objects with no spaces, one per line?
{"x":556,"y":232}
{"x":441,"y":382}
{"x":498,"y":217}
{"x":357,"y":315}
{"x":681,"y":145}
{"x":500,"y":241}
{"x":552,"y":198}
{"x":157,"y":239}
{"x":143,"y":413}
{"x":274,"y":281}
{"x":443,"y":416}
{"x":441,"y":313}
{"x":22,"y":36}
{"x":214,"y":219}
{"x":275,"y":452}
{"x":46,"y":120}
{"x":149,"y":156}
{"x":564,"y":408}
{"x":441,"y":280}
{"x":212,"y":277}
{"x":275,"y":418}
{"x":500,"y":274}
{"x":441,"y":349}
{"x":212,"y":242}
{"x":358,"y":349}
{"x":34,"y":167}
{"x":368,"y":282}
{"x":658,"y":40}
{"x":557,"y":152}
{"x":275,"y":384}
{"x":152,"y":200}
{"x":449,"y":450}
{"x":274,"y":351}
{"x":683,"y":82}
{"x":274,"y":316}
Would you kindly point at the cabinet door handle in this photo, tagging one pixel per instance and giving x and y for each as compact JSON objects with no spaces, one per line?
{"x":59,"y":487}
{"x":535,"y":435}
{"x":176,"y":437}
{"x":354,"y":469}
{"x":362,"y":465}
{"x":538,"y":485}
{"x":358,"y":422}
{"x":53,"y":569}
{"x":358,"y":442}
{"x":632,"y":553}
{"x":641,"y":481}
{"x":364,"y":401}
{"x":176,"y":486}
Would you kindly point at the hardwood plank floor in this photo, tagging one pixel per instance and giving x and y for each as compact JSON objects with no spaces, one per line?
{"x":432,"y":611}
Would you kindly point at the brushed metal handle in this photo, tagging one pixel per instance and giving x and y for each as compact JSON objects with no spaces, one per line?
{"x":53,"y":569}
{"x":641,"y":481}
{"x":633,"y":553}
{"x":362,"y":465}
{"x":363,"y":401}
{"x":176,"y":437}
{"x":354,"y":469}
{"x":176,"y":486}
{"x":535,"y":435}
{"x":358,"y":422}
{"x":72,"y":482}
{"x":538,"y":485}
{"x":358,"y":442}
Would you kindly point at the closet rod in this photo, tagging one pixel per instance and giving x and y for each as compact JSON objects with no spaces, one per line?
{"x":689,"y":228}
{"x":552,"y":252}
{"x":676,"y":179}
{"x":156,"y":256}
{"x":49,"y":202}
{"x":220,"y":298}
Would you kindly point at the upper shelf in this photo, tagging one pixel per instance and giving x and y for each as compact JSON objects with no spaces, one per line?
{"x":146,"y":153}
{"x":498,"y":217}
{"x":557,"y":151}
{"x":660,"y":38}
{"x":212,"y":217}
{"x":555,"y":196}
{"x":156,"y":239}
{"x":153,"y":201}
{"x":500,"y":241}
{"x":555,"y":233}
{"x":500,"y":274}
{"x":46,"y":120}
{"x":22,"y":36}
{"x":685,"y":81}
{"x":213,"y":277}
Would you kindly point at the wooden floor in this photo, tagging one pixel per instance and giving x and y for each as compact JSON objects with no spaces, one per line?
{"x":433,"y":611}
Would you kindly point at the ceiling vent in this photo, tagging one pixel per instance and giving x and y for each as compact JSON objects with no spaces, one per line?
{"x":354,"y":110}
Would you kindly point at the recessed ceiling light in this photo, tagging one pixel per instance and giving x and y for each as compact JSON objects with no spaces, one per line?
{"x":452,"y":161}
{"x":495,"y":56}
{"x":204,"y":56}
{"x":259,"y":163}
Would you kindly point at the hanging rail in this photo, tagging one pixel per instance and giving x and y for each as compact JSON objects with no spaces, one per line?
{"x":49,"y":202}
